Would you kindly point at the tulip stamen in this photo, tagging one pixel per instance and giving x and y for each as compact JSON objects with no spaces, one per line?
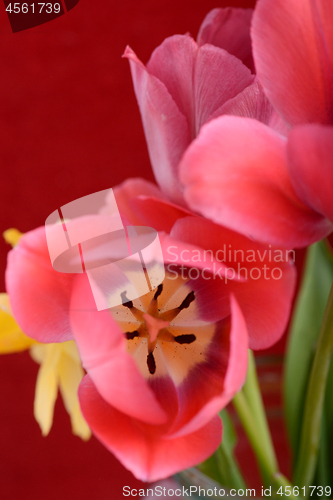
{"x":132,"y":335}
{"x":187,"y":301}
{"x":172,"y":313}
{"x":151,"y":363}
{"x":185,"y":339}
{"x":153,"y":306}
{"x":159,"y":291}
{"x":129,"y":304}
{"x":126,"y":302}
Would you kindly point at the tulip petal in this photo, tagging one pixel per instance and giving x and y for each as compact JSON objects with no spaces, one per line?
{"x":235,"y":373}
{"x":70,"y":374}
{"x":157,"y":213}
{"x":218,"y":77}
{"x":310,"y":155}
{"x":177,"y":252}
{"x":229,"y":29}
{"x":293,"y":54}
{"x":102,"y":348}
{"x":266,"y":303}
{"x":142,"y":203}
{"x":268,"y":279}
{"x":125,"y":192}
{"x":200,"y":80}
{"x":39,"y":295}
{"x":205,"y":381}
{"x":146,"y":453}
{"x":235,"y":174}
{"x":46,"y":385}
{"x":166,"y":128}
{"x":253,"y":103}
{"x":173,"y":63}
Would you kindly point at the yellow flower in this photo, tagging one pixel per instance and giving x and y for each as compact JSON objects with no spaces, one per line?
{"x":60,"y":366}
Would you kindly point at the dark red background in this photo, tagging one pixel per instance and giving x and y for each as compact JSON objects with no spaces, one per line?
{"x":70,"y":126}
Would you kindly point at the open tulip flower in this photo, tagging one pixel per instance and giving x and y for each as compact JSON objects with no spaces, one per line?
{"x":160,"y":367}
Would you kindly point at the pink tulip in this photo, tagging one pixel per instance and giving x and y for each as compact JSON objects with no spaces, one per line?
{"x":186,"y":84}
{"x":298,"y":36}
{"x":160,"y":367}
{"x":244,"y":175}
{"x":293,"y":53}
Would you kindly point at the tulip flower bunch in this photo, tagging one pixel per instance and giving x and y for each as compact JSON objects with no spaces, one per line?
{"x":239,"y":129}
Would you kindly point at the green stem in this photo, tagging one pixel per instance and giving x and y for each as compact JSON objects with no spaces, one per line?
{"x":252,"y":393}
{"x":267,"y":465}
{"x":228,"y":469}
{"x":310,"y":436}
{"x":251,"y":411}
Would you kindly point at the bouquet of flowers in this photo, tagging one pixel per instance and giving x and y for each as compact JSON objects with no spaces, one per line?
{"x":144,"y":303}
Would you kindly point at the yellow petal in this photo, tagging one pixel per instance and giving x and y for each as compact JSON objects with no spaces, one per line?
{"x":71,"y":350}
{"x":12,"y":236}
{"x":70,"y":376}
{"x":12,"y":339}
{"x":47,"y":384}
{"x":60,"y":365}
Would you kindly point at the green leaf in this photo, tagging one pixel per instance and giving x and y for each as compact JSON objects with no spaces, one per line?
{"x":305,"y":327}
{"x":230,"y":474}
{"x":229,"y":433}
{"x":322,"y":477}
{"x":222,"y":466}
{"x":211,"y":469}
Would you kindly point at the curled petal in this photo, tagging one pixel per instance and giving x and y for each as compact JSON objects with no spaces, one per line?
{"x":173,"y":63}
{"x":166,"y":129}
{"x":229,"y":29}
{"x":293,"y":54}
{"x":235,"y":174}
{"x":310,"y":163}
{"x":148,"y":455}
